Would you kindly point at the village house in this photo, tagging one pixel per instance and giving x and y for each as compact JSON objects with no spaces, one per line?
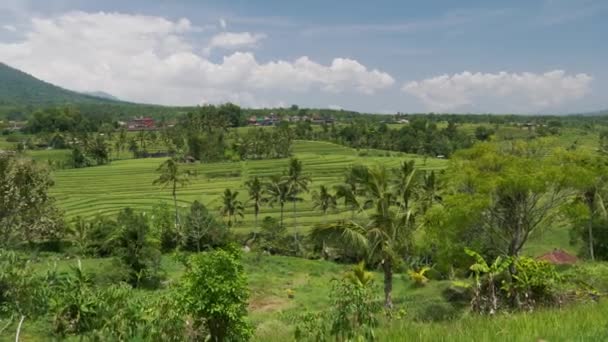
{"x":141,"y":123}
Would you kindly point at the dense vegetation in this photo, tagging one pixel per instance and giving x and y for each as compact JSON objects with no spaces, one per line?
{"x":356,"y":229}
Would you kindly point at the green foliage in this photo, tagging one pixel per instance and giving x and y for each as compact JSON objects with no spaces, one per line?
{"x":534,"y":283}
{"x":418,"y":277}
{"x":23,"y":293}
{"x":485,"y":296}
{"x":201,"y":230}
{"x":214,"y":293}
{"x":27,"y":211}
{"x":136,"y":249}
{"x":231,"y":206}
{"x":163,"y":227}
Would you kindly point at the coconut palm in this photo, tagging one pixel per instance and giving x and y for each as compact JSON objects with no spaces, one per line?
{"x":323,"y":200}
{"x":406,"y":183}
{"x":256,"y":195}
{"x":171,"y":175}
{"x":278,"y":191}
{"x":231,"y":206}
{"x":429,"y":190}
{"x":384,"y":239}
{"x":298,"y":182}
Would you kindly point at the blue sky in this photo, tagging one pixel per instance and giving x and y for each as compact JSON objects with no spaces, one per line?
{"x":545,"y":56}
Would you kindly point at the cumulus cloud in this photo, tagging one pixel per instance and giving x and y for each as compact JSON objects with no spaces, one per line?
{"x":150,"y":59}
{"x":9,"y":28}
{"x":235,"y":40}
{"x":511,"y":91}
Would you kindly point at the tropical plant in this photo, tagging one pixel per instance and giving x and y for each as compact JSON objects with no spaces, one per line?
{"x":298,"y":182}
{"x":359,"y":276}
{"x":385,"y":238}
{"x":278,"y":192}
{"x":323,"y":200}
{"x":231,"y":206}
{"x":171,"y":175}
{"x":485,"y":298}
{"x":418,"y":277}
{"x":256,"y":195}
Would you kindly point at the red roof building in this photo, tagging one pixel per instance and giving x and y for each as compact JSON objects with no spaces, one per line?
{"x":558,"y":257}
{"x":140,"y":123}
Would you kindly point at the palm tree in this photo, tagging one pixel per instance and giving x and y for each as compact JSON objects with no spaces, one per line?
{"x":323,"y":200}
{"x":231,"y":206}
{"x":278,"y":192}
{"x":256,"y":193}
{"x":406,"y":183}
{"x":430,"y":190}
{"x":171,"y":175}
{"x":348,"y":191}
{"x":298,"y":183}
{"x":384,"y":239}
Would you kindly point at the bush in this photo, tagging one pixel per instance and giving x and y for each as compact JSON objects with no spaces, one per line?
{"x":214,"y":294}
{"x":534,"y":283}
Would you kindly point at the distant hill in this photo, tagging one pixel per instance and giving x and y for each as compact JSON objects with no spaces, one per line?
{"x":18,"y":88}
{"x":102,"y":94}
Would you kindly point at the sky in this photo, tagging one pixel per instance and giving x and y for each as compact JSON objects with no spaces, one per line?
{"x":383,"y":56}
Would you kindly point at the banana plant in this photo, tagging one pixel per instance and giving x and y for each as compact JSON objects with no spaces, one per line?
{"x":486,"y":274}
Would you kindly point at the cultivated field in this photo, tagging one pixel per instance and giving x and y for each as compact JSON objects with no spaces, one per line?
{"x":105,"y":190}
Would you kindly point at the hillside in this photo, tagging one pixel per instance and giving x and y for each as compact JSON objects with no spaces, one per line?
{"x":18,"y":88}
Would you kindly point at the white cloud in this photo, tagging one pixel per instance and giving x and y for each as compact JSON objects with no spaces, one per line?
{"x":234,"y":40}
{"x":477,"y":92}
{"x":223,"y":23}
{"x":9,"y":28}
{"x":150,"y":59}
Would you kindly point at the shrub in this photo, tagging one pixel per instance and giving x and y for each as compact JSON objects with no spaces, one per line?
{"x":418,"y":278}
{"x":534,"y":282}
{"x":214,"y":293}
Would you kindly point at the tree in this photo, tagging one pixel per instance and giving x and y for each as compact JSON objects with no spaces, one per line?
{"x":201,"y":229}
{"x":27,"y":211}
{"x":298,"y":182}
{"x":278,"y":191}
{"x":171,"y":175}
{"x":323,"y":200}
{"x":213,"y":292}
{"x":348,"y":191}
{"x":429,"y":189}
{"x":590,"y":181}
{"x":509,"y":193}
{"x":135,"y":247}
{"x":231,"y":206}
{"x":385,"y":238}
{"x":256,"y":195}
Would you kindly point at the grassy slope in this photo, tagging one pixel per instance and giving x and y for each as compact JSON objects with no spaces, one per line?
{"x":272,"y":312}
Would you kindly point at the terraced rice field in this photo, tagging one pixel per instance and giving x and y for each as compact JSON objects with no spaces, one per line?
{"x":105,"y":190}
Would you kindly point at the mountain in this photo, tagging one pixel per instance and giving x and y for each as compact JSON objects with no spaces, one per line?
{"x":18,"y":88}
{"x":102,"y":95}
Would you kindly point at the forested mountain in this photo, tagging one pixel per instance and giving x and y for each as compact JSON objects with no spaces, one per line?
{"x":18,"y":88}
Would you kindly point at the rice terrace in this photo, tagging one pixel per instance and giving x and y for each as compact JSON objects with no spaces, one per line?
{"x":303,"y":171}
